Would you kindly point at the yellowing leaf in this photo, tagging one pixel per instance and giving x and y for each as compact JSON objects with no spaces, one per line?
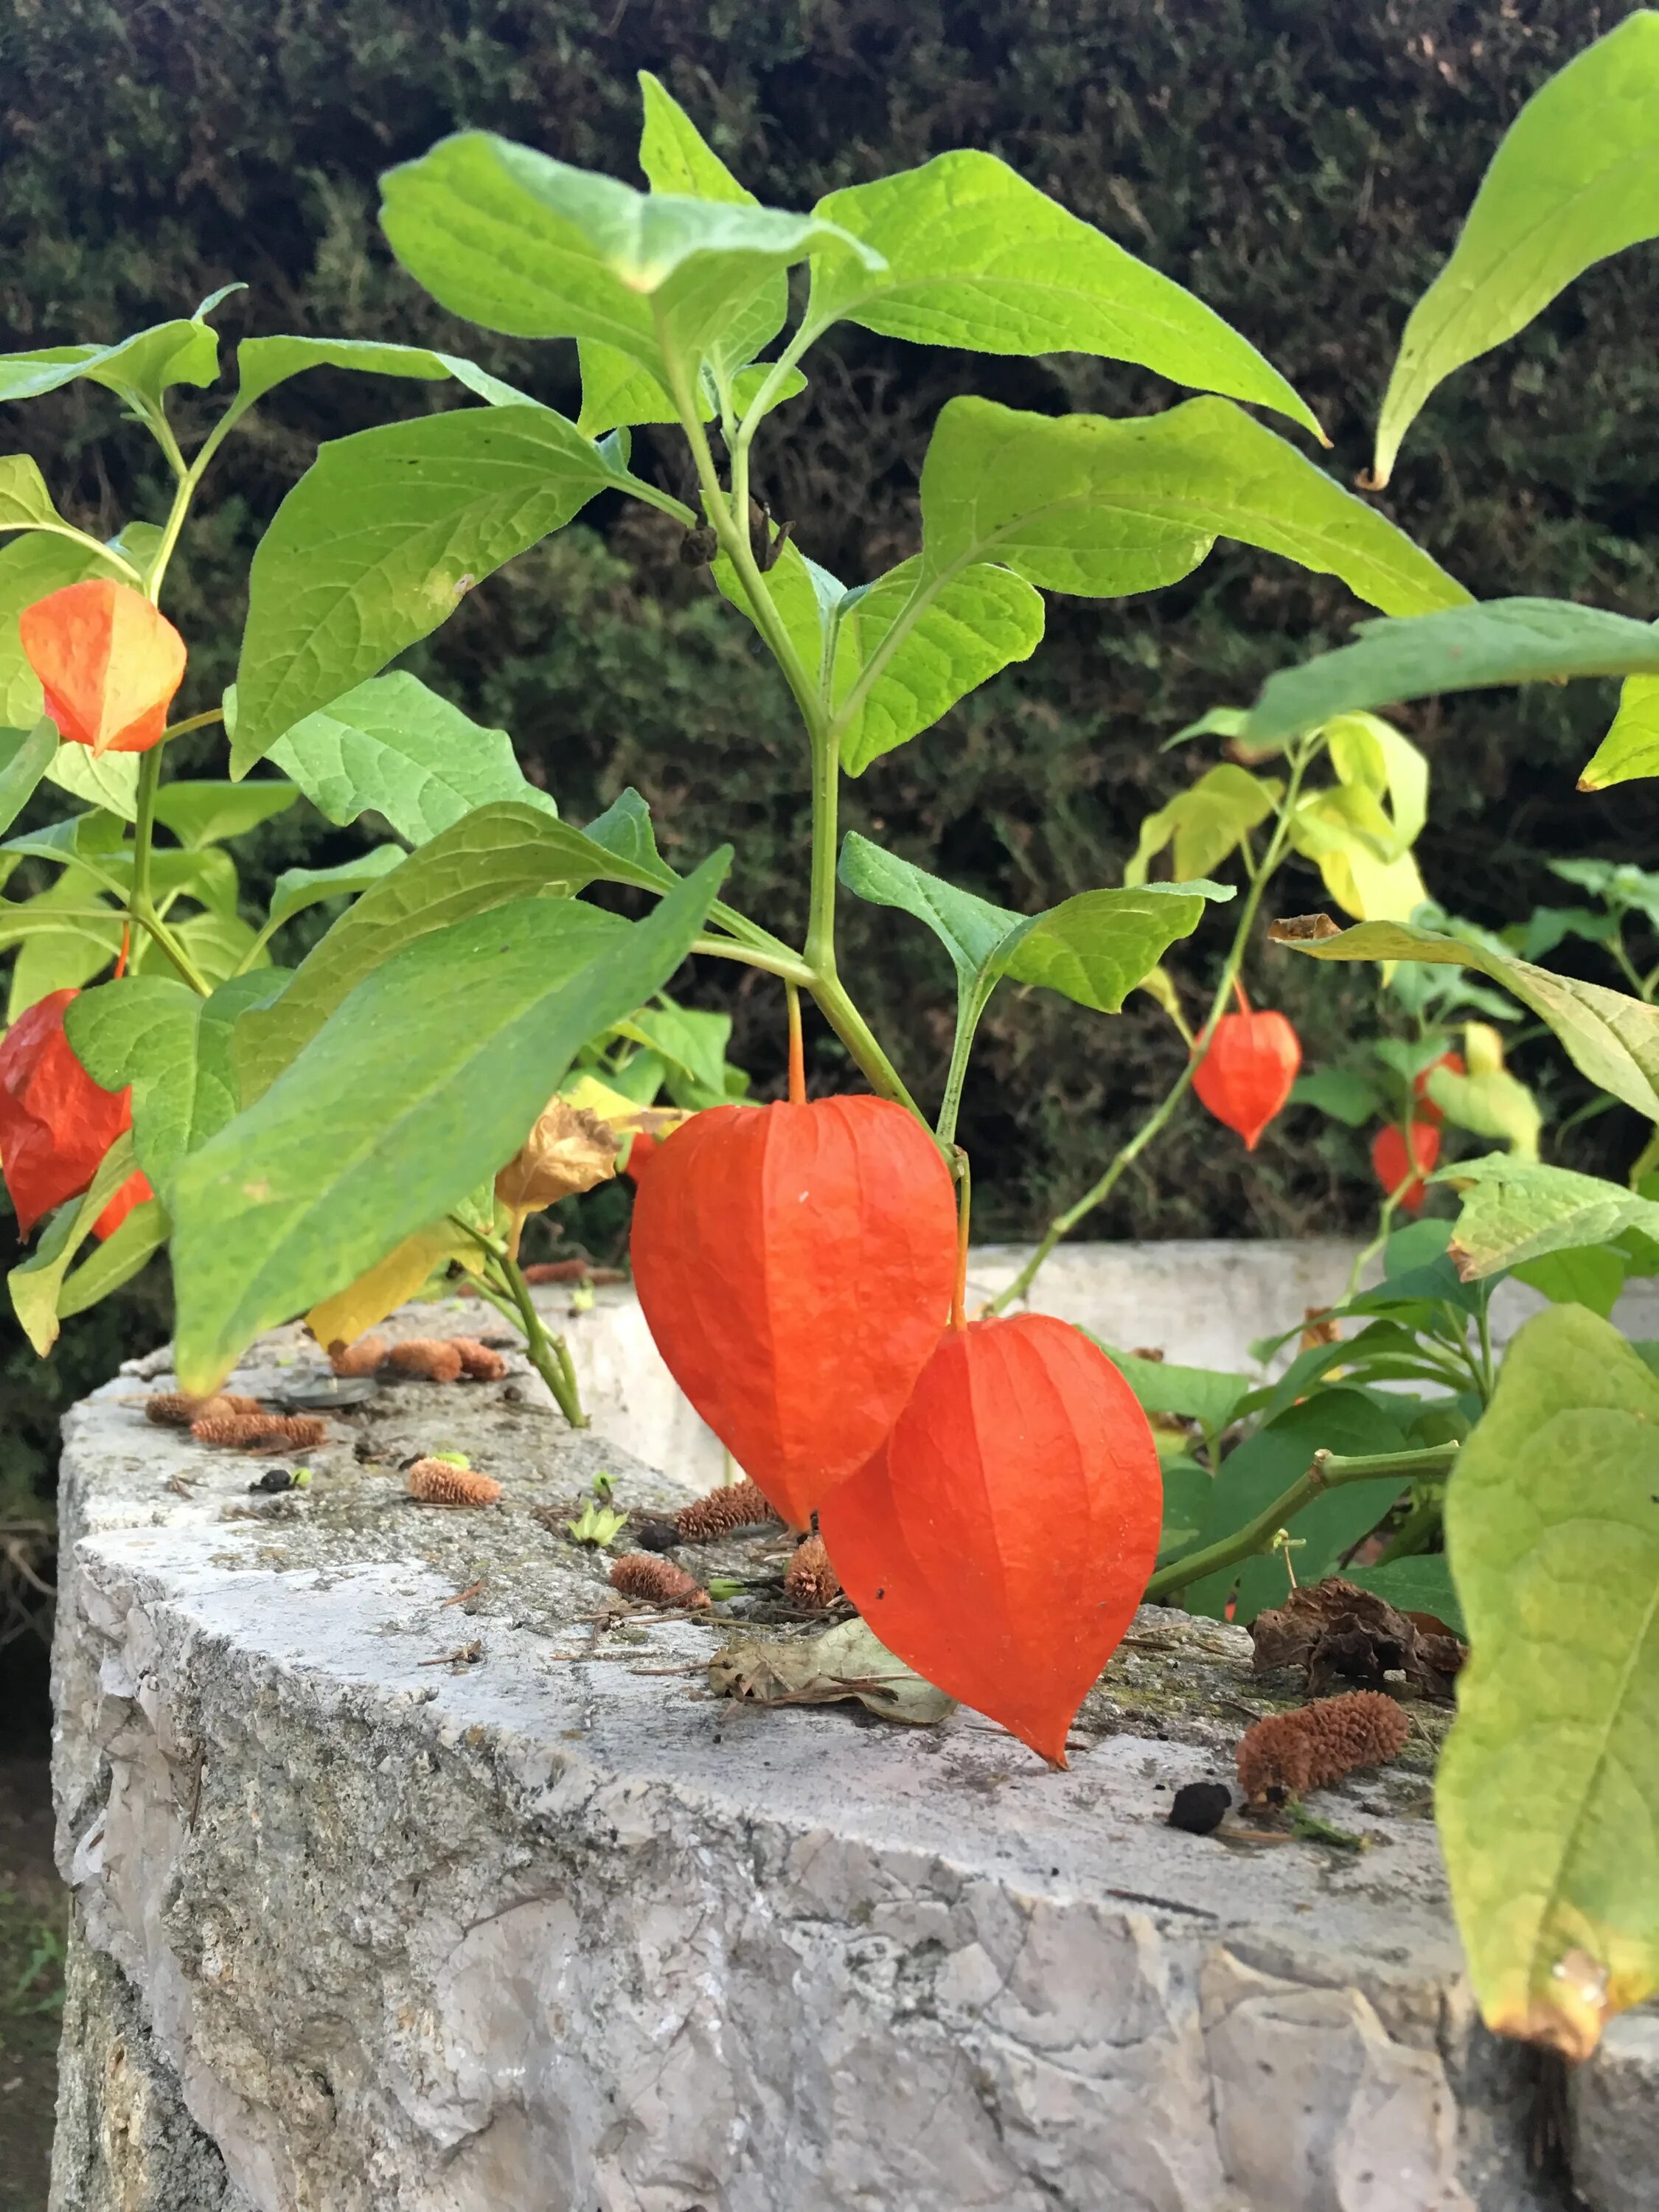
{"x":389,"y":1284}
{"x":1206,"y":824}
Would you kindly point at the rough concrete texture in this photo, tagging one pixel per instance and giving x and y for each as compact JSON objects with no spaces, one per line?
{"x":406,"y":1904}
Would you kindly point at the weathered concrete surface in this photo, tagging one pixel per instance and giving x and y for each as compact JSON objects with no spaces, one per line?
{"x":428,"y":1906}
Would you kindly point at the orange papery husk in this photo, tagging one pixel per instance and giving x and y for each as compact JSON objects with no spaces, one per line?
{"x":656,"y":1581}
{"x":437,"y":1482}
{"x":1245,"y":1075}
{"x":1393,"y":1170}
{"x":56,"y":1123}
{"x":795,"y":1264}
{"x":1000,"y":1539}
{"x":135,"y":1191}
{"x":109,"y":663}
{"x":1288,"y":1753}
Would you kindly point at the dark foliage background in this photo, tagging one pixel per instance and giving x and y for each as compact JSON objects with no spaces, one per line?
{"x":1301,"y":166}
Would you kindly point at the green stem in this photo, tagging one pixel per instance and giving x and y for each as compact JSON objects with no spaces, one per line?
{"x":204,"y":720}
{"x":92,"y":544}
{"x":1434,"y":1462}
{"x":1101,"y":1190}
{"x":792,"y":969}
{"x":548,"y":1354}
{"x":962,"y":1046}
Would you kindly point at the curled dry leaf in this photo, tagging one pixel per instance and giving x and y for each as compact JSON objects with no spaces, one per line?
{"x":1333,"y":1631}
{"x":846,"y":1662}
{"x":569,"y":1150}
{"x":1289,"y":1753}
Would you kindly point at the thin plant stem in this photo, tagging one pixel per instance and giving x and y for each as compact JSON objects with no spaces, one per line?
{"x":964,"y":1222}
{"x":797,"y":1048}
{"x":547,"y":1353}
{"x":204,"y":720}
{"x":792,"y":969}
{"x":140,"y":907}
{"x":1433,"y":1463}
{"x":1063,"y":1223}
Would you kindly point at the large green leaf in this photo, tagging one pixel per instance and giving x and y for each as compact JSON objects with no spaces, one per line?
{"x":207,"y":813}
{"x":116,"y":1261}
{"x":1549,"y":1787}
{"x":1081,"y":503}
{"x":143,"y":365}
{"x":379,"y":540}
{"x":392,"y":746}
{"x":1458,"y":649}
{"x":173,"y":1048}
{"x":263,"y":363}
{"x":37,"y":1283}
{"x":111,"y":783}
{"x":24,"y":499}
{"x":1611,"y":1038}
{"x":1092,"y":948}
{"x":490,"y":856}
{"x":1206,"y":824}
{"x":29,"y":755}
{"x":1519,"y":1210}
{"x":1631,"y":748}
{"x":521,"y":243}
{"x":1577,"y":178}
{"x":421,"y":1086}
{"x":296,"y":889}
{"x":975,"y":257}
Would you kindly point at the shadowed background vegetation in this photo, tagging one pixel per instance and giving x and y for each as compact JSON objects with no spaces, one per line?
{"x":1301,"y":167}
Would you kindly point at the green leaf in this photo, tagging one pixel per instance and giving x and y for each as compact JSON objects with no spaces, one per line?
{"x":1548,"y":1789}
{"x":1611,"y":1038}
{"x":379,"y":540}
{"x":1576,"y":177}
{"x":110,"y":783}
{"x":1516,"y":1211}
{"x":1631,"y":748}
{"x":264,"y":363}
{"x":116,"y":1261}
{"x":975,"y":257}
{"x":24,"y":499}
{"x":1591,"y":1276}
{"x":296,"y":889}
{"x":63,"y":940}
{"x":393,"y":747}
{"x":617,"y":394}
{"x":493,"y":855}
{"x":218,"y":944}
{"x":1616,"y":883}
{"x":1264,"y":1466}
{"x":1341,"y":1092}
{"x":1207,"y":823}
{"x":523,"y":244}
{"x":421,"y":1086}
{"x":1419,"y":1585}
{"x":1197,"y":1394}
{"x":1080,"y":503}
{"x":1092,"y":948}
{"x":1458,"y":649}
{"x":200,"y":814}
{"x":142,"y":367}
{"x":37,"y":1284}
{"x":27,"y":760}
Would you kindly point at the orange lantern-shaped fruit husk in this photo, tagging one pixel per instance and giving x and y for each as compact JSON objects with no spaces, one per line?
{"x":794,"y":1263}
{"x":1002,"y":1537}
{"x":108,"y":662}
{"x":1250,"y":1061}
{"x":1423,"y":1106}
{"x":134,"y":1192}
{"x":1394,"y":1171}
{"x":56,"y":1123}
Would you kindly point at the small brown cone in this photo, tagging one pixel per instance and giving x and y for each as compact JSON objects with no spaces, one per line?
{"x":259,"y":1432}
{"x":425,"y":1359}
{"x":738,"y":1505}
{"x":656,"y":1581}
{"x":178,"y":1409}
{"x":809,"y":1582}
{"x":480,"y":1362}
{"x":1291,"y":1752}
{"x":435,"y":1482}
{"x":362,"y":1358}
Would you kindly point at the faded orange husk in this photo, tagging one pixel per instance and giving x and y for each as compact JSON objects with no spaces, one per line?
{"x":436,"y":1482}
{"x":1289,"y":1752}
{"x":738,"y":1505}
{"x":809,"y":1582}
{"x":656,"y":1581}
{"x":109,"y":663}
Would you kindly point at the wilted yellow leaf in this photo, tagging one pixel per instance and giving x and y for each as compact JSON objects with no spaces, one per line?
{"x":388,"y":1285}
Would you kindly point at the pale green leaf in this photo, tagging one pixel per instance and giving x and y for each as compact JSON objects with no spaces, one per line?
{"x":29,"y":755}
{"x":393,"y":747}
{"x":617,"y":394}
{"x":975,"y":257}
{"x":110,"y":783}
{"x":116,"y":1261}
{"x":1631,"y":748}
{"x":145,"y":365}
{"x":1206,"y":825}
{"x":490,"y":856}
{"x":1576,"y":179}
{"x":63,"y":940}
{"x":1458,"y":649}
{"x":264,"y":363}
{"x":296,"y":889}
{"x":200,"y":814}
{"x":521,"y":243}
{"x":24,"y":499}
{"x":380,"y":539}
{"x":1516,"y":1211}
{"x":1490,"y":1103}
{"x":1369,"y":754}
{"x":677,"y":160}
{"x":36,"y":1284}
{"x":1587,"y":1275}
{"x":1081,"y":503}
{"x":1547,"y":1795}
{"x":1341,"y":1092}
{"x":217,"y":944}
{"x":422,"y":1084}
{"x":1611,"y":1038}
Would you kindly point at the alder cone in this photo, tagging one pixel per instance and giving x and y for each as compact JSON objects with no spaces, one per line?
{"x":1000,"y":1539}
{"x":795,"y":1265}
